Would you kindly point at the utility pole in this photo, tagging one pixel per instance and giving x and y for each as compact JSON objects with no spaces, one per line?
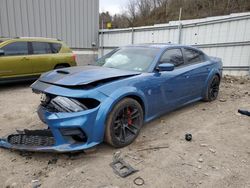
{"x":102,"y":38}
{"x":179,"y":26}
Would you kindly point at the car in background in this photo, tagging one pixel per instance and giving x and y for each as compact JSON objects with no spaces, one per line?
{"x":25,"y":58}
{"x":130,"y":86}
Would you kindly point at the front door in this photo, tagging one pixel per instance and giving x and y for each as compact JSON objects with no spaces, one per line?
{"x":15,"y":61}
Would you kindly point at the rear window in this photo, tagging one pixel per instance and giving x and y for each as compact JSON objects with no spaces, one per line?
{"x":41,"y":48}
{"x":55,"y":47}
{"x":16,"y":48}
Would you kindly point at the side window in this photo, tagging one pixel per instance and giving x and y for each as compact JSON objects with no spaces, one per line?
{"x":193,"y":56}
{"x":173,"y":56}
{"x":16,"y":48}
{"x":41,"y":48}
{"x":55,"y":47}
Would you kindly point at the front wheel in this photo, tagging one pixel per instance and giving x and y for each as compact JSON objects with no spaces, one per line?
{"x":213,"y":89}
{"x":124,"y":123}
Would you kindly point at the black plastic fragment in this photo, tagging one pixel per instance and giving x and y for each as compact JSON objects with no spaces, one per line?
{"x":244,"y":112}
{"x":188,"y":137}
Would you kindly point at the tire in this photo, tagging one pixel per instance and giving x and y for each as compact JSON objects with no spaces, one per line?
{"x":212,"y":89}
{"x":124,"y":123}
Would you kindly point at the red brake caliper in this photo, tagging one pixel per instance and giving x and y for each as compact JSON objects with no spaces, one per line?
{"x":129,"y":116}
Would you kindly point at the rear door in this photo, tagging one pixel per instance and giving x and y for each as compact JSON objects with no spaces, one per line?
{"x":15,"y":61}
{"x":197,"y":69}
{"x":42,"y":57}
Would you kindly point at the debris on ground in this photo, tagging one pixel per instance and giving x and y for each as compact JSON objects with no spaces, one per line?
{"x":139,"y":181}
{"x":122,"y":168}
{"x":244,"y":112}
{"x":52,"y":161}
{"x":153,"y":148}
{"x":116,"y":155}
{"x":188,"y":137}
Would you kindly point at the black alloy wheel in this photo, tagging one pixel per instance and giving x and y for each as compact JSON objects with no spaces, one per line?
{"x":213,"y":89}
{"x":124,"y":123}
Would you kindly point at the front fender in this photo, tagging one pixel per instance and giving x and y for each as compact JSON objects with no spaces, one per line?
{"x":110,"y":102}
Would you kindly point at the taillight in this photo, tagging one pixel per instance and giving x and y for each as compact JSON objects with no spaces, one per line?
{"x":74,"y":57}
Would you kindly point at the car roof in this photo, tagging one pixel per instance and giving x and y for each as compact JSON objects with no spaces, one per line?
{"x":162,"y":46}
{"x":28,"y":38}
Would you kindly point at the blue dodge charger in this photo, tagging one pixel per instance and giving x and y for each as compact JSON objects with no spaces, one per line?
{"x":84,"y":106}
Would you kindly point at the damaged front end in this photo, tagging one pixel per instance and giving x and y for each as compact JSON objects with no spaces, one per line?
{"x":71,"y":122}
{"x":72,"y":107}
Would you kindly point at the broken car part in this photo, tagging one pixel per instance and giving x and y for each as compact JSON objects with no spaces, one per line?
{"x":122,"y":168}
{"x":244,"y":112}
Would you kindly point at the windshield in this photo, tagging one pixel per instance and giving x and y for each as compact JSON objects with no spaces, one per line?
{"x":133,"y":58}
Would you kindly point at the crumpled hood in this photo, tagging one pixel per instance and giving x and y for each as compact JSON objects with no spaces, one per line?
{"x":83,"y":75}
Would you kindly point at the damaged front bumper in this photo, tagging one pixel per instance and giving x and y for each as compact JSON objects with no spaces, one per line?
{"x":70,"y":128}
{"x":67,"y":132}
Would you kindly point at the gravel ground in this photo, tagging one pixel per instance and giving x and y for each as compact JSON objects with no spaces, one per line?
{"x":218,"y":155}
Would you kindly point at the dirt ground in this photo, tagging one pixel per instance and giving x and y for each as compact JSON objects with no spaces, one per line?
{"x":218,"y":155}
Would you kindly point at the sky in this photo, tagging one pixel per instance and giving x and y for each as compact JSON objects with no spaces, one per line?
{"x":113,"y":6}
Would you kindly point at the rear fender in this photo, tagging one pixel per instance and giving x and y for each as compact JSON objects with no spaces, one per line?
{"x":209,"y":78}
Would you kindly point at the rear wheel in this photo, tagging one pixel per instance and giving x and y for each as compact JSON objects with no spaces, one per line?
{"x":213,"y":89}
{"x":124,"y":123}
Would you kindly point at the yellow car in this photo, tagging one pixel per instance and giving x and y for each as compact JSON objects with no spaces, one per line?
{"x":24,"y":58}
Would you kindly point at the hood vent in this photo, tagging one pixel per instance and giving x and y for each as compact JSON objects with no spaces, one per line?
{"x":62,"y":72}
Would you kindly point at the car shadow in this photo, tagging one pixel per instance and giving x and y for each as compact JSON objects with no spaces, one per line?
{"x":15,"y":85}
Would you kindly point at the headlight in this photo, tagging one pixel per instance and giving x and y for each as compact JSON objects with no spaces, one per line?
{"x":64,"y":104}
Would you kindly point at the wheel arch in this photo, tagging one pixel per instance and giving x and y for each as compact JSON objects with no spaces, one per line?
{"x":209,"y":77}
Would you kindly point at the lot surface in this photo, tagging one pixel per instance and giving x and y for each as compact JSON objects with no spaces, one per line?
{"x":218,"y":155}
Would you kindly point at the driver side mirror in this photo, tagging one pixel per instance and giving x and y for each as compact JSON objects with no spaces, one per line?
{"x":165,"y":67}
{"x":1,"y":52}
